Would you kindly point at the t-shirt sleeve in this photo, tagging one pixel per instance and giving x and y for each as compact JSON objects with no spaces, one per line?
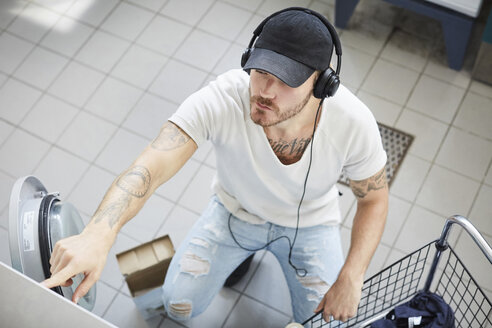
{"x":194,"y":116}
{"x":205,"y":113}
{"x":366,"y":155}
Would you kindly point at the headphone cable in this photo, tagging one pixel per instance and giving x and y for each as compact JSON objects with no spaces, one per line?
{"x":299,"y":271}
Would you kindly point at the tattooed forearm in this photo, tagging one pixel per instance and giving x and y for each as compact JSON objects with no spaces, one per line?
{"x":135,"y":181}
{"x":363,"y":187}
{"x":132,"y":184}
{"x":170,"y":137}
{"x":113,"y":211}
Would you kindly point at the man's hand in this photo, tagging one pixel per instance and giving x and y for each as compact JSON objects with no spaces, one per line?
{"x":342,"y":299}
{"x":85,"y":253}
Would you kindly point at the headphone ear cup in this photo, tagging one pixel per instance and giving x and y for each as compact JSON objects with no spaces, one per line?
{"x":245,"y":57}
{"x":327,"y":84}
{"x":332,"y":85}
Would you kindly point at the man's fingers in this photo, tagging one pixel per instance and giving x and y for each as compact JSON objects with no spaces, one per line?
{"x":58,"y":278}
{"x":61,"y":262}
{"x":327,"y":316}
{"x":321,"y":305}
{"x":83,"y":287}
{"x":67,"y":283}
{"x":56,"y":254}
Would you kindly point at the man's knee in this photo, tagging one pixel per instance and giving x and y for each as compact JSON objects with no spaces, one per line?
{"x":177,"y":301}
{"x":179,"y":310}
{"x":194,"y":265}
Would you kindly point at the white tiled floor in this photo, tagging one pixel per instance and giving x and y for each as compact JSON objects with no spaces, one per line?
{"x":85,"y":85}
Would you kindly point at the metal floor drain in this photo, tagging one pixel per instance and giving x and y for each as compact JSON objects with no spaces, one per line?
{"x":396,"y":144}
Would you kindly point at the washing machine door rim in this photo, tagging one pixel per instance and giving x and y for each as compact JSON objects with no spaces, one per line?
{"x":45,"y":246}
{"x":37,"y":220}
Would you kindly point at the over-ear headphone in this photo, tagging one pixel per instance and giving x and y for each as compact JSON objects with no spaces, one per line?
{"x":328,"y":81}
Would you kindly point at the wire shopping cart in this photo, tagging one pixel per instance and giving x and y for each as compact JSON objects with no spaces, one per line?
{"x":415,"y":272}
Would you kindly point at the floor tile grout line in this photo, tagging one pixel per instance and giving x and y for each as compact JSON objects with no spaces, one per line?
{"x":149,"y":86}
{"x":261,"y":260}
{"x":414,"y":202}
{"x":242,"y":292}
{"x":394,"y":62}
{"x":177,"y":204}
{"x":140,"y":6}
{"x":10,"y":76}
{"x":474,"y":201}
{"x":265,"y":305}
{"x":44,"y":6}
{"x":404,"y":107}
{"x":376,"y":60}
{"x":81,"y":107}
{"x":112,"y":300}
{"x":177,"y":59}
{"x":433,"y":163}
{"x":451,"y":124}
{"x":233,"y":4}
{"x":246,"y":285}
{"x":178,"y":199}
{"x":104,"y":169}
{"x":15,"y":17}
{"x":409,"y":96}
{"x":461,"y":174}
{"x":73,"y":59}
{"x":378,"y":57}
{"x":157,"y":12}
{"x":134,"y":42}
{"x":52,"y":145}
{"x":488,"y":171}
{"x":419,"y":71}
{"x":45,"y":91}
{"x":93,"y":163}
{"x":448,"y":123}
{"x":231,"y":44}
{"x":428,"y":161}
{"x":108,"y":74}
{"x":176,"y":50}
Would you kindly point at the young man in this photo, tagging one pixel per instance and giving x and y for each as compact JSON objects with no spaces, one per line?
{"x":261,"y":126}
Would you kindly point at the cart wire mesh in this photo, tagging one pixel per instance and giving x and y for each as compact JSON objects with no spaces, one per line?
{"x":460,"y":290}
{"x":399,"y":282}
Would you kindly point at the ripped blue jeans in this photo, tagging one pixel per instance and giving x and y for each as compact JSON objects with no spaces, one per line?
{"x":208,"y":256}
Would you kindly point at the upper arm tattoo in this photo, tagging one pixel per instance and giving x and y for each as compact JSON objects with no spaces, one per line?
{"x":363,"y":187}
{"x":170,"y":137}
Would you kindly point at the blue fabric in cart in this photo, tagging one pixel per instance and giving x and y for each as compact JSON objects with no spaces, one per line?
{"x":425,"y":310}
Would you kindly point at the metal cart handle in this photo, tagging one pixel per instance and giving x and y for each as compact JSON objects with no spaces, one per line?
{"x":442,"y":243}
{"x":472,"y":231}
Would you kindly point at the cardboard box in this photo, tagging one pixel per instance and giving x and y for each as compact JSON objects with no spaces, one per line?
{"x":145,"y":268}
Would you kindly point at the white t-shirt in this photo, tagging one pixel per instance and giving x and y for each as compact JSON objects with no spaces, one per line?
{"x":251,"y":181}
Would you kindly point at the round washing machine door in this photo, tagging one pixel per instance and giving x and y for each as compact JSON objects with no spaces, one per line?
{"x":37,"y":221}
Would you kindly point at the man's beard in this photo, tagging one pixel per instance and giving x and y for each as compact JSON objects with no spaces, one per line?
{"x":260,"y":116}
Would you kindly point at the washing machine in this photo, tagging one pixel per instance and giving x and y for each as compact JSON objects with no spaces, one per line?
{"x":37,"y":220}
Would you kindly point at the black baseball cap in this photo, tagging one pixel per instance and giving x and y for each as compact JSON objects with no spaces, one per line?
{"x":291,"y":46}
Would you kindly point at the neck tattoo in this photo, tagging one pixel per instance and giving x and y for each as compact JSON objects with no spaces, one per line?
{"x":294,"y":148}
